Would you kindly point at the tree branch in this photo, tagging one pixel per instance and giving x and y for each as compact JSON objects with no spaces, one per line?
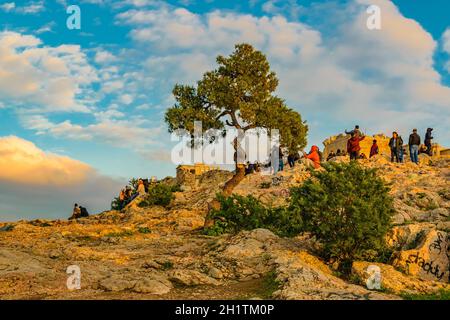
{"x":235,"y":121}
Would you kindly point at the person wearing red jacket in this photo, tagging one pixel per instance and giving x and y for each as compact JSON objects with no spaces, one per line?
{"x":353,"y":146}
{"x":374,"y":149}
{"x":312,"y":159}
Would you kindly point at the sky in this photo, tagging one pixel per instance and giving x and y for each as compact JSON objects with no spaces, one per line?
{"x":82,"y":111}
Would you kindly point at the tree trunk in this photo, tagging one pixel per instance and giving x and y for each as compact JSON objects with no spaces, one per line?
{"x":226,"y":191}
{"x":234,"y":181}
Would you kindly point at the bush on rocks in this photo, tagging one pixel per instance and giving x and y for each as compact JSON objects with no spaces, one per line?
{"x":159,"y":194}
{"x":247,"y":213}
{"x":348,"y":209}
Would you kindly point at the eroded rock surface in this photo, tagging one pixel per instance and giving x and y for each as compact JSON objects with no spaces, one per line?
{"x":157,"y":253}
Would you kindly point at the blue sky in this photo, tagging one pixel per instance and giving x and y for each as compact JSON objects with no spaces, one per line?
{"x":98,"y":95}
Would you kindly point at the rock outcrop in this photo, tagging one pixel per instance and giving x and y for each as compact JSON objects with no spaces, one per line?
{"x":159,"y":253}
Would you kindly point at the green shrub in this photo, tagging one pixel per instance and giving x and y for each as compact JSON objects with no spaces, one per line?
{"x":348,"y":209}
{"x":159,"y":194}
{"x":247,"y":213}
{"x":116,"y":204}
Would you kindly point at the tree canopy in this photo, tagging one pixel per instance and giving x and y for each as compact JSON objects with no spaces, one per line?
{"x":239,"y":93}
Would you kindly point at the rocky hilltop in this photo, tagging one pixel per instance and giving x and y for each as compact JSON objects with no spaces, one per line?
{"x":160,"y":253}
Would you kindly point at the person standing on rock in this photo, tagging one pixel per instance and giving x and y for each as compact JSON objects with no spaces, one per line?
{"x":395,"y":144}
{"x":355,"y":131}
{"x":291,"y":159}
{"x":280,"y":163}
{"x":428,"y":138}
{"x":353,"y":146}
{"x":414,"y":143}
{"x":400,"y":149}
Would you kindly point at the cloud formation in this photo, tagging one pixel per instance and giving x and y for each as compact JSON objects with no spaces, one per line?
{"x":335,"y":73}
{"x":42,"y":78}
{"x":34,"y":183}
{"x":24,"y":163}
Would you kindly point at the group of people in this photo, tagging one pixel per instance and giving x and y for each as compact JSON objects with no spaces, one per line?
{"x":252,"y":167}
{"x":127,"y":194}
{"x":339,"y":153}
{"x":79,"y":212}
{"x":312,"y":159}
{"x":396,"y":146}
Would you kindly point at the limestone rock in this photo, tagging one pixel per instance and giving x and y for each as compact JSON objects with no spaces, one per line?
{"x":248,"y":244}
{"x":152,"y":286}
{"x":116,"y":284}
{"x":429,"y":259}
{"x":191,"y":278}
{"x":395,"y":281}
{"x":304,"y":277}
{"x":215,"y":273}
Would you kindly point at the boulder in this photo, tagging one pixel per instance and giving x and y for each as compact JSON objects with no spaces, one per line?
{"x":116,"y":284}
{"x":428,"y":259}
{"x":302,"y":276}
{"x":248,"y":244}
{"x":152,"y":286}
{"x":395,"y":281}
{"x":404,"y":237}
{"x":215,"y":273}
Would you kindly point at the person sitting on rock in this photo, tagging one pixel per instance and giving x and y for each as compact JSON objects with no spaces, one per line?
{"x":128,"y":193}
{"x":83,"y":212}
{"x":312,"y":159}
{"x":76,"y":213}
{"x":353,"y":146}
{"x":374,"y":149}
{"x":249,"y":168}
{"x":331,"y":155}
{"x":338,"y":153}
{"x":141,"y":188}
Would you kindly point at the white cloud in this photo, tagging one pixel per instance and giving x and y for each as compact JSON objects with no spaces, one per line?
{"x":383,"y":80}
{"x":104,"y":57}
{"x":39,"y":183}
{"x":8,"y":6}
{"x":446,"y":46}
{"x":446,"y":40}
{"x":112,"y":127}
{"x":46,"y":28}
{"x":29,"y":165}
{"x":40,"y":77}
{"x":31,"y":7}
{"x":126,"y":99}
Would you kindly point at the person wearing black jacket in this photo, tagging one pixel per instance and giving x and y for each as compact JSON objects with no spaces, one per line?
{"x":414,"y":143}
{"x":396,"y":145}
{"x":84,"y":212}
{"x":428,"y":139}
